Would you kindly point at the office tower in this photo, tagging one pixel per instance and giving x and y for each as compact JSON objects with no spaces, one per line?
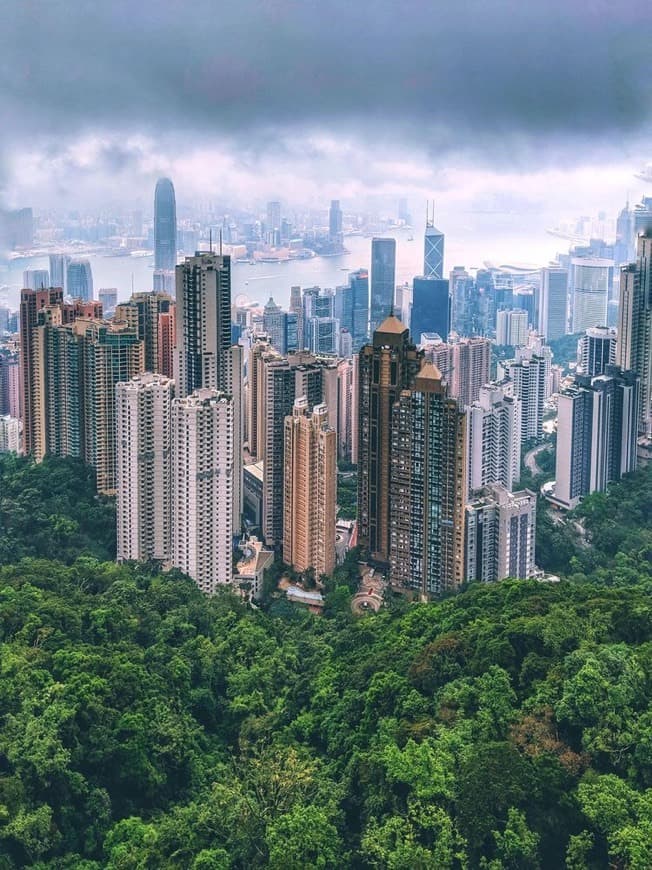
{"x":165,"y":226}
{"x":345,"y":344}
{"x":634,"y":344}
{"x":494,"y":438}
{"x":143,"y":468}
{"x":9,"y":434}
{"x":596,"y":433}
{"x":625,"y":247}
{"x":17,"y":228}
{"x":166,"y":342}
{"x":359,"y":284}
{"x":427,"y":487}
{"x":324,"y":335}
{"x":31,"y":302}
{"x":383,"y":280}
{"x":79,"y":280}
{"x":335,"y":235}
{"x":309,"y":489}
{"x":108,"y":297}
{"x":321,"y":327}
{"x":642,"y":217}
{"x":36,"y":279}
{"x":553,"y":303}
{"x":430,"y":307}
{"x":202,"y":487}
{"x":596,"y":350}
{"x":530,"y":385}
{"x":386,"y":367}
{"x":511,"y":327}
{"x":500,"y":535}
{"x":403,"y":302}
{"x":275,"y":326}
{"x":433,"y":252}
{"x":345,"y":409}
{"x":296,"y":308}
{"x":462,"y":297}
{"x":471,"y":368}
{"x":203,"y":328}
{"x":403,"y":211}
{"x":589,"y":283}
{"x":110,"y":352}
{"x":273,"y":223}
{"x":343,"y":306}
{"x":58,"y":270}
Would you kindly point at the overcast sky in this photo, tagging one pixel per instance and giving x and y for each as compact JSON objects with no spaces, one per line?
{"x":525,"y":105}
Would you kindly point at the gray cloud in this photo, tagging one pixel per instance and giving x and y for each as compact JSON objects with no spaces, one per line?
{"x":495,"y":78}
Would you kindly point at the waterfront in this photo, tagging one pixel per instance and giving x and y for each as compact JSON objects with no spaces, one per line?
{"x":468,"y":246}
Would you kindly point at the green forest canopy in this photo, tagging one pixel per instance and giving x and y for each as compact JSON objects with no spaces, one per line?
{"x":145,"y":726}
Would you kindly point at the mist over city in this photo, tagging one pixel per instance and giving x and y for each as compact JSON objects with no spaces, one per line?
{"x":326,"y":435}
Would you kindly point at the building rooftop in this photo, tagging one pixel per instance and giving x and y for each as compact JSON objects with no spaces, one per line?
{"x":392,"y":325}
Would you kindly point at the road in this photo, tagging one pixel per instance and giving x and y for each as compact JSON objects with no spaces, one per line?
{"x":530,"y":458}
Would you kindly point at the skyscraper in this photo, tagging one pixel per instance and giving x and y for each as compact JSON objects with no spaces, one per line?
{"x":511,"y":327}
{"x":385,"y":368}
{"x":494,"y":435}
{"x":36,"y":279}
{"x":203,"y":329}
{"x":273,"y":223}
{"x":335,"y":224}
{"x":108,"y":297}
{"x":528,"y":375}
{"x":275,"y":325}
{"x":165,"y":226}
{"x":553,"y":303}
{"x":433,"y":254}
{"x":202,"y":487}
{"x":590,"y":280}
{"x":309,"y":487}
{"x":79,"y":280}
{"x":634,"y":344}
{"x":596,"y":350}
{"x":383,"y":280}
{"x":58,"y":270}
{"x":147,"y":307}
{"x":143,"y":468}
{"x":596,"y":433}
{"x":471,"y":358}
{"x":427,"y":487}
{"x":500,"y":535}
{"x":431,"y":309}
{"x":359,"y":283}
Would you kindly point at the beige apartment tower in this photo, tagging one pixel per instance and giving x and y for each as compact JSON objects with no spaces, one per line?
{"x":310,"y":489}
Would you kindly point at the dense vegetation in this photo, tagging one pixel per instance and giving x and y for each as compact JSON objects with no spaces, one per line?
{"x":564,"y":349}
{"x":143,"y":726}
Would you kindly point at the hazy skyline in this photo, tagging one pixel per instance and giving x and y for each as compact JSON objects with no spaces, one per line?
{"x":484,"y":104}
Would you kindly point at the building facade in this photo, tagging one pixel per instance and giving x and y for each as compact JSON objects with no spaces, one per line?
{"x":383,"y":281}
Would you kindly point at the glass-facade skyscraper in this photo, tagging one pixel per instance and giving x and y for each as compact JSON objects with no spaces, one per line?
{"x":431,"y":309}
{"x":79,"y":280}
{"x":433,"y":249}
{"x":383,"y":280}
{"x":165,"y":226}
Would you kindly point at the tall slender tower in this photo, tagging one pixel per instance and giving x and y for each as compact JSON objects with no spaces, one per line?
{"x":385,"y":368}
{"x":427,"y":487}
{"x":165,"y":226}
{"x":383,"y":280}
{"x":79,"y":280}
{"x":433,"y":253}
{"x":310,"y":474}
{"x":202,"y":487}
{"x":203,"y":332}
{"x":634,"y":345}
{"x":143,"y":510}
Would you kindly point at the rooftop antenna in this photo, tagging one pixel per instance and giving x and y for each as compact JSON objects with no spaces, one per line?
{"x":210,"y":240}
{"x":220,"y":241}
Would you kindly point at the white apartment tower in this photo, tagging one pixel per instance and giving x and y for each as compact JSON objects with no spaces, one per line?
{"x":494,"y":433}
{"x":143,"y":441}
{"x":203,"y":467}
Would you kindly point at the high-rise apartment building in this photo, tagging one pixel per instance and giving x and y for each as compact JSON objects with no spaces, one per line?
{"x":433,"y":254}
{"x":470,"y":369}
{"x":500,"y":535}
{"x":590,"y":280}
{"x":165,"y":235}
{"x":431,"y":308}
{"x":596,"y":433}
{"x":427,"y":487}
{"x":386,"y":367}
{"x":79,"y":280}
{"x":596,"y":350}
{"x":511,"y":327}
{"x":58,"y":270}
{"x":202,"y":487}
{"x":110,"y":352}
{"x":143,"y":468}
{"x":166,"y":342}
{"x":383,"y":280}
{"x":203,"y":328}
{"x":530,"y":383}
{"x":108,"y":297}
{"x":309,"y":489}
{"x":9,"y":434}
{"x":149,"y":306}
{"x":634,"y":344}
{"x":553,"y":303}
{"x":494,"y":439}
{"x":10,"y":383}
